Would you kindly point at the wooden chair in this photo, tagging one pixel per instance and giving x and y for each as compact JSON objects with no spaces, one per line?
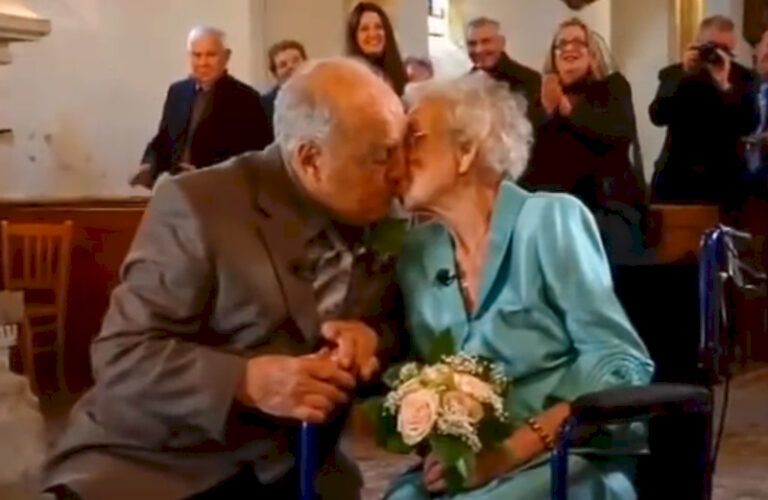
{"x":36,"y":260}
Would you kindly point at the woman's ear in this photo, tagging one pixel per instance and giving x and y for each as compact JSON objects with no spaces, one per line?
{"x":307,"y":160}
{"x":467,"y":155}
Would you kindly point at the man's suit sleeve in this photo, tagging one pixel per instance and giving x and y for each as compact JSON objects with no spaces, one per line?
{"x":257,"y":130}
{"x":536,"y":113}
{"x":160,"y":139}
{"x":665,"y":105}
{"x":161,"y":383}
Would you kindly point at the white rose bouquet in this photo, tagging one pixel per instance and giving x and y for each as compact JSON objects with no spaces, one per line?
{"x":453,"y":406}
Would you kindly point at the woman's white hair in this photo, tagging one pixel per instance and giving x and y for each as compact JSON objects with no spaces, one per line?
{"x":199,"y":32}
{"x":484,"y":111}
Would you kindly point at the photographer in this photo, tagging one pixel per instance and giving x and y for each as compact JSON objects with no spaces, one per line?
{"x":705,"y":103}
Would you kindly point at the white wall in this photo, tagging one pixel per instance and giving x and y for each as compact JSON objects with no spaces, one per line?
{"x":84,"y":101}
{"x":641,"y":45}
{"x":410,"y":21}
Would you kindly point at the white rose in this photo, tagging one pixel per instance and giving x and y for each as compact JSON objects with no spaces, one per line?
{"x":418,"y":413}
{"x":439,"y":374}
{"x":408,"y":387}
{"x":460,"y":407}
{"x":469,"y":384}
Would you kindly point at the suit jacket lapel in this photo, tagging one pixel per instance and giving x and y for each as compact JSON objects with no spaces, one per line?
{"x":286,"y":226}
{"x":509,"y":203}
{"x":188,"y":101}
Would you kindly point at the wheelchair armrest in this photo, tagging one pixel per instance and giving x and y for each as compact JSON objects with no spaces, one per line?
{"x":638,"y":402}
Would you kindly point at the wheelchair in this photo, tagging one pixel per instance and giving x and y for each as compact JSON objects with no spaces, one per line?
{"x":680,"y":416}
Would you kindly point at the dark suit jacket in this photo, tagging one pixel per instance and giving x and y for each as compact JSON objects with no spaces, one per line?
{"x":209,"y":282}
{"x":524,"y":81}
{"x":701,"y":160}
{"x":587,"y":155}
{"x":232,"y":123}
{"x":268,"y":104}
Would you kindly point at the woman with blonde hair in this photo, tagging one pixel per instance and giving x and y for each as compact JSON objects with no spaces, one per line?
{"x":588,"y":144}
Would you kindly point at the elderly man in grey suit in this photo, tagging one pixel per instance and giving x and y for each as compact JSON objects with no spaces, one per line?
{"x":249,"y":302}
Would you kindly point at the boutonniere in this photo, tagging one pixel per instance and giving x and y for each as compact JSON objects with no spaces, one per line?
{"x":385,"y":239}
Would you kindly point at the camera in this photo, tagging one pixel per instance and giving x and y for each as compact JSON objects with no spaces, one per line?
{"x":708,"y":53}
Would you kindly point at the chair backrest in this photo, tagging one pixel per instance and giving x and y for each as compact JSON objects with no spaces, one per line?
{"x":36,"y":256}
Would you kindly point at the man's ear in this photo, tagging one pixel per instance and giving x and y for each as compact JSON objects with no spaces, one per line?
{"x":307,"y":160}
{"x":503,"y":41}
{"x":467,"y":155}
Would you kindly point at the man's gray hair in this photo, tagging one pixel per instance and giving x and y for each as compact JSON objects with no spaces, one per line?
{"x":479,"y":22}
{"x":303,"y":110}
{"x":719,"y":22}
{"x":482,"y":110}
{"x":199,"y":32}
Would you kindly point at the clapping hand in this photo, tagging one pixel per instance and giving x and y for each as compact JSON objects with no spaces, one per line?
{"x":551,"y":93}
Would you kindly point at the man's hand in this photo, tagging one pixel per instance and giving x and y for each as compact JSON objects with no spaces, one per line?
{"x":551,"y":93}
{"x":354,"y":346}
{"x":691,"y":60}
{"x":721,"y":73}
{"x":305,"y":388}
{"x":143,"y":177}
{"x":186,"y":167}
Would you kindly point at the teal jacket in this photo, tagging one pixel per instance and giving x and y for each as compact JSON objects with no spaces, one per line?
{"x":546,"y":310}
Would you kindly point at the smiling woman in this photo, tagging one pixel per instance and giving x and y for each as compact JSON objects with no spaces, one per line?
{"x":370,"y":36}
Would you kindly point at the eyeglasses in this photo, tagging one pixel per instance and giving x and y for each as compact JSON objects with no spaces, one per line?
{"x":577,"y":43}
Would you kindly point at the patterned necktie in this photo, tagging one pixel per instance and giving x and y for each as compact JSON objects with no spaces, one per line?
{"x":201,"y":99}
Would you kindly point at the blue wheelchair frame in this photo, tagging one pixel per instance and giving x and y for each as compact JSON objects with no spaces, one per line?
{"x":719,"y":260}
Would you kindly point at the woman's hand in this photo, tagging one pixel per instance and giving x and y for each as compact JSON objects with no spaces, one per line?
{"x":490,"y":465}
{"x":551,"y":93}
{"x":565,"y":108}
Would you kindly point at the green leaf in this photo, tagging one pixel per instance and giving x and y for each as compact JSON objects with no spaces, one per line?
{"x":395,"y":444}
{"x":387,"y":237}
{"x":492,"y":431}
{"x":391,"y":375}
{"x":442,"y":345}
{"x":385,"y":425}
{"x":457,"y":458}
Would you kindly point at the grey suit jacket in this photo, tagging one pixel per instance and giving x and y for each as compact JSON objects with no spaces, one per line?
{"x":209,"y":281}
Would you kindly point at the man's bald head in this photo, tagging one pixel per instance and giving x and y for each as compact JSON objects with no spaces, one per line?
{"x":329,"y":93}
{"x":340,"y":127}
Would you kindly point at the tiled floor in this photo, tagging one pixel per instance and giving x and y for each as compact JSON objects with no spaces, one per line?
{"x":742,"y":470}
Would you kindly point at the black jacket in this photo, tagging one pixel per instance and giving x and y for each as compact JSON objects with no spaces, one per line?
{"x":268,"y":104}
{"x":587,"y":154}
{"x":232,"y":123}
{"x":522,"y":80}
{"x":701,"y":161}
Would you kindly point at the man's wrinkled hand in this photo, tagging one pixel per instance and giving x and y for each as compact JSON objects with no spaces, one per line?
{"x":308,"y":388}
{"x":142,"y":177}
{"x":353,"y":346}
{"x":721,"y":73}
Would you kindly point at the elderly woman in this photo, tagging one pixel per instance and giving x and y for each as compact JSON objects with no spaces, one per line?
{"x":533,"y":292}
